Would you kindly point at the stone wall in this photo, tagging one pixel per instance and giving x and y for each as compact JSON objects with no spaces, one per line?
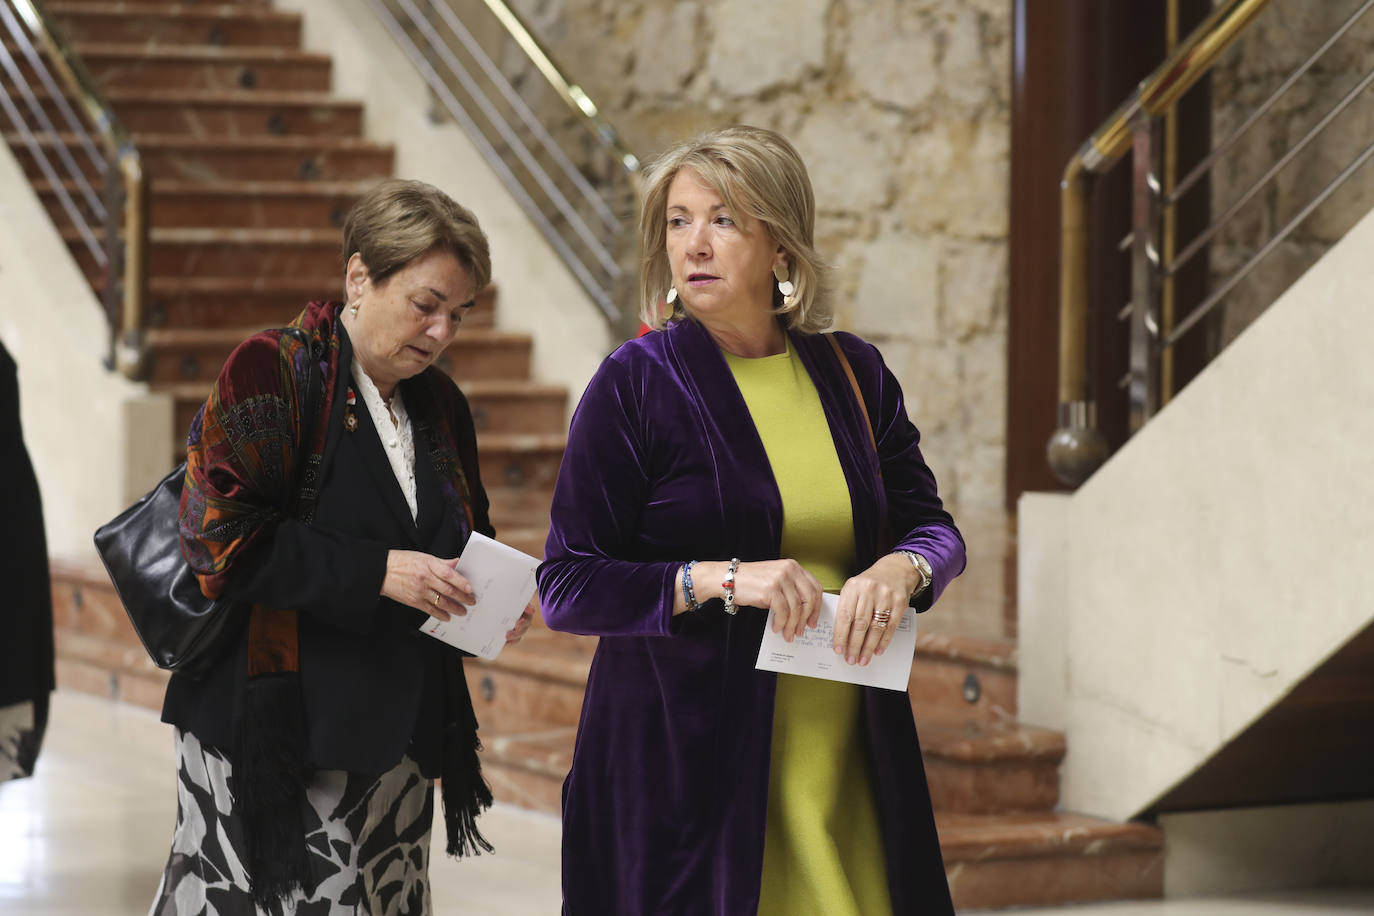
{"x":901,"y":110}
{"x":1280,"y":39}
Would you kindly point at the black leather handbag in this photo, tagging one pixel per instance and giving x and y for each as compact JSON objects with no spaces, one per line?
{"x":182,"y":630}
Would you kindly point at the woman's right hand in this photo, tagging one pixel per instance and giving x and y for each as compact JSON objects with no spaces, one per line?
{"x":780,"y":586}
{"x":426,"y":583}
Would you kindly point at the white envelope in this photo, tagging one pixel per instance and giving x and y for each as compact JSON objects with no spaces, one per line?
{"x":503,"y":580}
{"x":811,"y":653}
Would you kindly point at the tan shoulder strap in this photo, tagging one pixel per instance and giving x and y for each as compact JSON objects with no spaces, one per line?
{"x":854,"y":383}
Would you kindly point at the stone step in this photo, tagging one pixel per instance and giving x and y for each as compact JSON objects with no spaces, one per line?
{"x":85,"y":603}
{"x":154,"y":24}
{"x":998,"y":861}
{"x":193,"y":252}
{"x":220,"y":303}
{"x":222,"y":112}
{"x":531,"y":680}
{"x":992,"y":769}
{"x":103,"y":667}
{"x":972,"y":770}
{"x":262,"y":204}
{"x":259,"y":302}
{"x":528,"y":460}
{"x":992,"y":861}
{"x":196,"y":354}
{"x":526,"y":540}
{"x":237,"y":159}
{"x":176,"y":204}
{"x":955,"y":679}
{"x":502,"y":356}
{"x":516,"y":506}
{"x":527,"y":703}
{"x":975,"y":767}
{"x":503,"y":406}
{"x":97,"y":649}
{"x":525,"y":762}
{"x":126,"y":66}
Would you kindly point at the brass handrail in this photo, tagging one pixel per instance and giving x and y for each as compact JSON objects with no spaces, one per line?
{"x":576,"y":206}
{"x":124,"y":296}
{"x":1190,"y":62}
{"x":1077,"y":448}
{"x":570,"y":92}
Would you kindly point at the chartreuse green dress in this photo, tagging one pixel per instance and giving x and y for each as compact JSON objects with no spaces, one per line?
{"x":823,"y":853}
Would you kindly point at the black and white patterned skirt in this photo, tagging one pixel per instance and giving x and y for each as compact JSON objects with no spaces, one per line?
{"x":368,"y":839}
{"x":21,"y":732}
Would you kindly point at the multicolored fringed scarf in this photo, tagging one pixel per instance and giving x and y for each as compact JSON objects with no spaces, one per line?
{"x":244,"y":451}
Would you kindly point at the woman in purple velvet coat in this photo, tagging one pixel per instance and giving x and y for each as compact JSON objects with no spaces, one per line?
{"x":720,"y":474}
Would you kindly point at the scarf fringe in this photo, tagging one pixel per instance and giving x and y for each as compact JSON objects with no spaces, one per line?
{"x":465,"y":793}
{"x":271,"y":773}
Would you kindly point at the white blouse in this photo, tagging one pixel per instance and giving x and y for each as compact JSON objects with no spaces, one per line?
{"x":398,"y":438}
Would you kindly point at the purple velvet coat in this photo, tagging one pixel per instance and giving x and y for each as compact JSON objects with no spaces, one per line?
{"x":665,"y":806}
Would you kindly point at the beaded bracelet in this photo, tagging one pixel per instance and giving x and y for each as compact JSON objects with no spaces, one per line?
{"x":729,"y":585}
{"x":688,"y":594}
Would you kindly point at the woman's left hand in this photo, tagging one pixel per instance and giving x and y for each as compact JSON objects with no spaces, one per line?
{"x":522,"y":626}
{"x":885,"y":587}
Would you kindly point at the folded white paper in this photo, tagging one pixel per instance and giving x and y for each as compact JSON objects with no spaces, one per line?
{"x":812,"y":654}
{"x":503,"y":580}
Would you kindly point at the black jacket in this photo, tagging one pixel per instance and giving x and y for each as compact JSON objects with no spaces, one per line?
{"x":374,"y":686}
{"x":26,"y":643}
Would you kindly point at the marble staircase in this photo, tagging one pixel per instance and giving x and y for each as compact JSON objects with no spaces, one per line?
{"x":253,"y":166}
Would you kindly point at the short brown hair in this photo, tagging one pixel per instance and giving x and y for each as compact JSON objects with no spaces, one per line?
{"x":758,"y":173}
{"x":397,"y":221}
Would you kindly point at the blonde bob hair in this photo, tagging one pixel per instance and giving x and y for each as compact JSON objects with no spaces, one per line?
{"x":757,"y":173}
{"x":397,"y":221}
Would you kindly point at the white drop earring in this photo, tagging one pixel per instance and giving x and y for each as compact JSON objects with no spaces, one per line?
{"x":353,"y":310}
{"x":672,"y":295}
{"x":785,"y":286}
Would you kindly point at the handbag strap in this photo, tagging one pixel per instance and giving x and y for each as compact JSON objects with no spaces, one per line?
{"x":854,"y":383}
{"x":884,"y":539}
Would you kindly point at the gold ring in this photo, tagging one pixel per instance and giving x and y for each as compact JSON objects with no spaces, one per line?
{"x":880,"y":619}
{"x":436,"y":599}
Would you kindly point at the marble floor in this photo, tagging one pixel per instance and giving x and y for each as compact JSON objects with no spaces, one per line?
{"x":89,"y":833}
{"x":87,"y":836}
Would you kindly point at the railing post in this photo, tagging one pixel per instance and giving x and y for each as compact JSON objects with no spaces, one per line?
{"x":112,"y":283}
{"x":1077,"y":447}
{"x":131,"y":352}
{"x":1143,"y":377}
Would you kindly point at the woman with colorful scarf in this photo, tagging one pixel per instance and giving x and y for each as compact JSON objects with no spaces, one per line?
{"x":307,"y":752}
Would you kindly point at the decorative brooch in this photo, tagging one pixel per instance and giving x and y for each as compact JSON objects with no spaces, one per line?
{"x":350,"y":421}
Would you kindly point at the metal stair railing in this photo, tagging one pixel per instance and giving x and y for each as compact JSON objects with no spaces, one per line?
{"x":1077,"y":447}
{"x":537,"y":129}
{"x":111,"y":221}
